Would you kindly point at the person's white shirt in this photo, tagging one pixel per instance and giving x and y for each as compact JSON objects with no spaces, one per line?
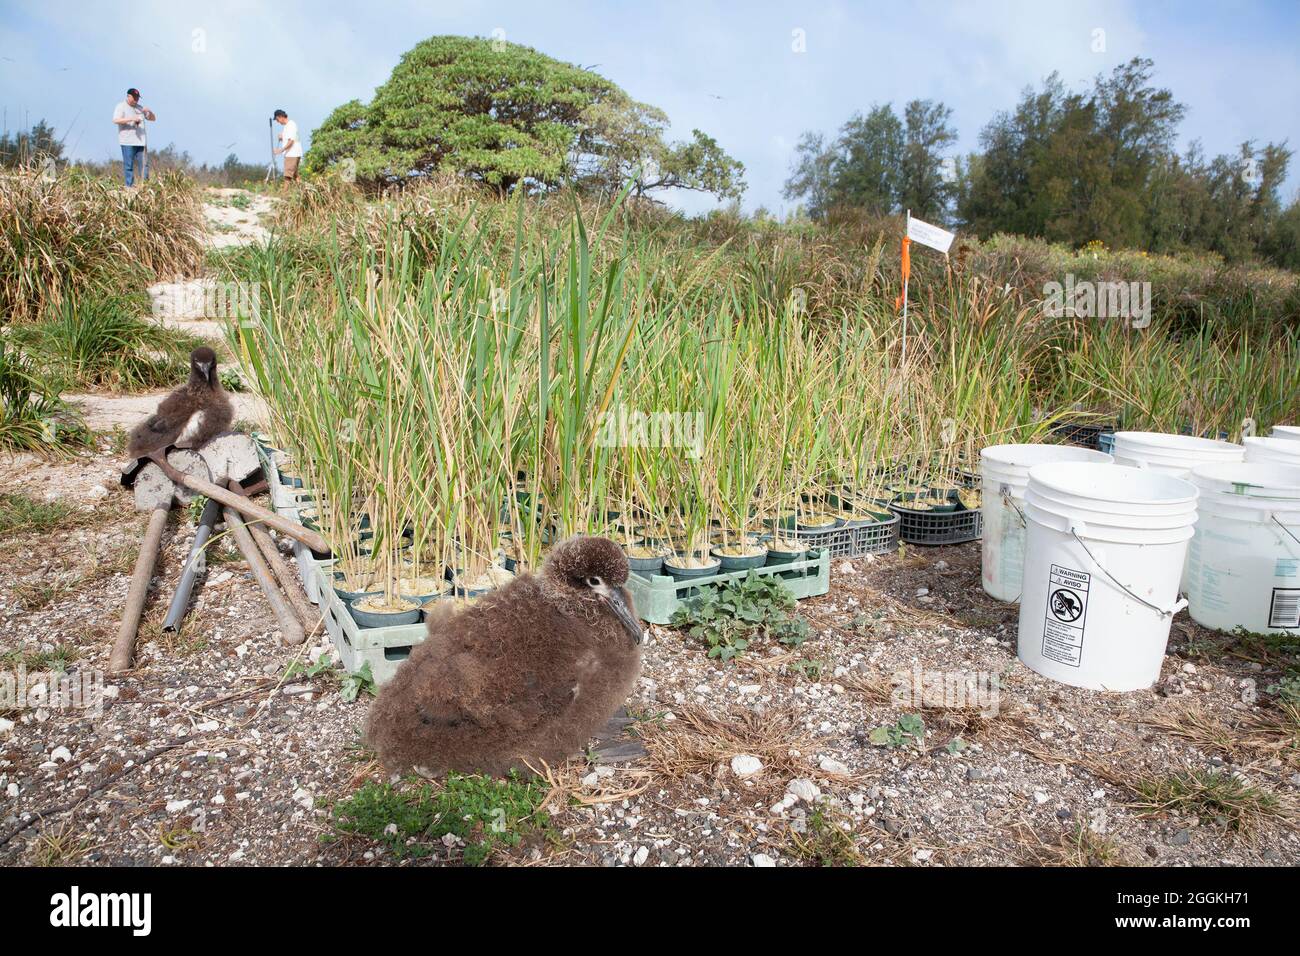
{"x":130,"y":135}
{"x":289,"y":131}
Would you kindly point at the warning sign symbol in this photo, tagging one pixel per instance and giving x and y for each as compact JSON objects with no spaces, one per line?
{"x":1067,"y":615}
{"x":1065,"y":605}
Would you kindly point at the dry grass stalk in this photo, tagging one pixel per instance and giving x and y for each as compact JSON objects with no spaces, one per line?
{"x":1244,"y":738}
{"x":566,"y":787}
{"x":1076,"y":847}
{"x":1220,"y":797}
{"x":698,"y":741}
{"x":968,"y":721}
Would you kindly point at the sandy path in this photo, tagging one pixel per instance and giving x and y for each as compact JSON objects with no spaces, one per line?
{"x":197,"y":306}
{"x":104,"y":412}
{"x":202,"y":305}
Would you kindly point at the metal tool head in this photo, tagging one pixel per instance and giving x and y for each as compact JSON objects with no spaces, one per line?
{"x":232,"y":455}
{"x":153,"y":489}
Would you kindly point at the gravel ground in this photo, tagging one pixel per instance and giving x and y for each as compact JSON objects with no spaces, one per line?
{"x":205,"y":754}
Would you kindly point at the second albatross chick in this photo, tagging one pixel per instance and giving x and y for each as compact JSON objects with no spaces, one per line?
{"x":191,"y":415}
{"x":527,"y":673}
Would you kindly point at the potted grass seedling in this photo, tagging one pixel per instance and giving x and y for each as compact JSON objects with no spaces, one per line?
{"x":690,"y":558}
{"x":741,"y":463}
{"x":642,"y":469}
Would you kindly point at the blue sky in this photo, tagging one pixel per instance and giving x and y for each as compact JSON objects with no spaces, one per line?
{"x":214,"y":71}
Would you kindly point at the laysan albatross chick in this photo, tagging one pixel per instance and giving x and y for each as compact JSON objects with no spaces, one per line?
{"x":187,"y":418}
{"x":525,"y":674}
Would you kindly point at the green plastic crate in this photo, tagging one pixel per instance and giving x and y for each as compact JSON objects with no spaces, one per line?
{"x":658,"y":596}
{"x":284,"y":502}
{"x":383,"y":648}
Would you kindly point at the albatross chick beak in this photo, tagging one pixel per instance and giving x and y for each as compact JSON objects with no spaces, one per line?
{"x":621,"y":604}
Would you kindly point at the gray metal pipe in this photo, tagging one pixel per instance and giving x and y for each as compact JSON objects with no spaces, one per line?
{"x":194,"y":566}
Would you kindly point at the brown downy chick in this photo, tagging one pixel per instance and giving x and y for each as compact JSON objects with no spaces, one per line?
{"x":527,"y":673}
{"x":190,"y":416}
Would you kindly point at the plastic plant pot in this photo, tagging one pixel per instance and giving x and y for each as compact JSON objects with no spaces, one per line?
{"x":366,"y":615}
{"x":755,"y":557}
{"x":422,"y":589}
{"x":680,"y":572}
{"x":818,"y":522}
{"x":941,"y":501}
{"x":853,"y":518}
{"x":644,"y":560}
{"x":784,"y":552}
{"x":490,"y":580}
{"x":349,"y":596}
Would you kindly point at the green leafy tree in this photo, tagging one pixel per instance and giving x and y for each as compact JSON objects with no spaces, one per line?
{"x":507,"y":115}
{"x":923,"y":185}
{"x":34,"y":145}
{"x":498,"y":112}
{"x":812,"y":178}
{"x":869,"y":161}
{"x":1074,"y":167}
{"x":1283,"y":243}
{"x":878,"y":163}
{"x":624,"y":141}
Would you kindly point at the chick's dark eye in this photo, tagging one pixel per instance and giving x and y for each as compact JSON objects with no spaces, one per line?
{"x":593,"y":582}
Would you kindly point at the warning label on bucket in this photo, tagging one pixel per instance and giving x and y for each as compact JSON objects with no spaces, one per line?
{"x":1067,"y":613}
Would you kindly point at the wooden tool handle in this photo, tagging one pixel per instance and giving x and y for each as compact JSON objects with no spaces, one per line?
{"x":290,"y":628}
{"x":124,"y":647}
{"x":252,"y":510}
{"x":311,"y":619}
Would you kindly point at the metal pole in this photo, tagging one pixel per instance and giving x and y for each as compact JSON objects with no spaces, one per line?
{"x":271,"y":170}
{"x":194,"y":566}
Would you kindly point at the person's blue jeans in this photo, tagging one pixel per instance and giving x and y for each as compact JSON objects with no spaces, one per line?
{"x":129,"y":154}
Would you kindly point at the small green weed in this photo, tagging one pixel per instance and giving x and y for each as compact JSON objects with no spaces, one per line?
{"x":20,"y":513}
{"x":1214,"y":797}
{"x":729,"y":619}
{"x":350,"y":685}
{"x":909,"y":729}
{"x":482,"y":812}
{"x":825,"y":841}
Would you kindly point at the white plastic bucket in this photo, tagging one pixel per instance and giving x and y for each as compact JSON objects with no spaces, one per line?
{"x":1288,"y":432}
{"x":1005,"y":470}
{"x":1104,"y":549}
{"x":1173,"y":455}
{"x":1244,"y":561}
{"x":1278,"y":451}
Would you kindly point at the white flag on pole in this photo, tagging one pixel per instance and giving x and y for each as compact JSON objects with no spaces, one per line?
{"x":928,"y":235}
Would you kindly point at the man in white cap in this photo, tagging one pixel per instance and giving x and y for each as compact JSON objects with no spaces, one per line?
{"x":129,"y":117}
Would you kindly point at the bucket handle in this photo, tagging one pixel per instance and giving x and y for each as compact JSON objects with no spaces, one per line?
{"x":1008,"y":500}
{"x":1178,"y":605}
{"x":1284,"y":528}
